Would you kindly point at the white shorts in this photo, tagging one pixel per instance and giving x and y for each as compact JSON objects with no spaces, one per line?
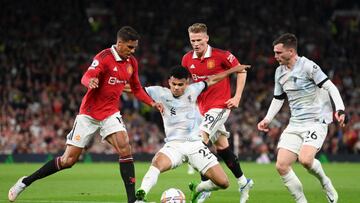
{"x":295,"y":136}
{"x":85,"y":127}
{"x":195,"y":153}
{"x":213,"y":123}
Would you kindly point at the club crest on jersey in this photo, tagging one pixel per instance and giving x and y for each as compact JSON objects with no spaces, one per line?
{"x":129,"y":69}
{"x":94,"y":64}
{"x":210,"y":64}
{"x":77,"y":138}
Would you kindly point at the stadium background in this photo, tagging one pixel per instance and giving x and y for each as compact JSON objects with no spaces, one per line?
{"x":45,"y":46}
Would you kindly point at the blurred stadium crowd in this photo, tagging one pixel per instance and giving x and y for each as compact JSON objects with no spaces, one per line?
{"x":45,"y":46}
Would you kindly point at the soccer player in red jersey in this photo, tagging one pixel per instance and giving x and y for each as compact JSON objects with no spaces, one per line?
{"x":105,"y":79}
{"x":215,"y":103}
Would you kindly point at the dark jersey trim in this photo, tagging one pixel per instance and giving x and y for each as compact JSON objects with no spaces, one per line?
{"x":206,"y":85}
{"x":280,"y":97}
{"x":322,"y":82}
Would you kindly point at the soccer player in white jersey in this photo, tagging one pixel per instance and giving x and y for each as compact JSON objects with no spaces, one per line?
{"x":183,"y":141}
{"x":307,"y":89}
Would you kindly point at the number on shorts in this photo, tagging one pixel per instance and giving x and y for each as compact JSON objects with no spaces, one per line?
{"x":205,"y":152}
{"x":209,"y":118}
{"x":312,"y":135}
{"x":119,"y":119}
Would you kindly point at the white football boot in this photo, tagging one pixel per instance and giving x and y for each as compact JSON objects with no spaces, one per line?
{"x":15,"y":190}
{"x":203,"y":196}
{"x":244,"y":190}
{"x":331,"y":194}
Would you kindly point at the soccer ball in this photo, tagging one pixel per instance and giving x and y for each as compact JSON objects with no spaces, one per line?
{"x":172,"y":195}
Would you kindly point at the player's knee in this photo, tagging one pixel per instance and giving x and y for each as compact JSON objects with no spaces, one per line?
{"x":67,"y":162}
{"x":282,"y":168}
{"x":306,"y":161}
{"x":221,"y":145}
{"x":224,"y":183}
{"x":123,"y":150}
{"x":155,"y":162}
{"x":159,"y":166}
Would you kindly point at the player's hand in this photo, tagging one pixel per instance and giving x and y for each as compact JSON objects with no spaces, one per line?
{"x":242,"y":67}
{"x":263,"y":125}
{"x":341,"y":117}
{"x":93,"y":83}
{"x":158,"y":106}
{"x":232,"y":103}
{"x":127,"y":88}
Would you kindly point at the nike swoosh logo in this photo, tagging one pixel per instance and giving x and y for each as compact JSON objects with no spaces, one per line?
{"x":331,"y":200}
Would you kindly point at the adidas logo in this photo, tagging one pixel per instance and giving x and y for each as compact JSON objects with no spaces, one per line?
{"x":192,"y":66}
{"x":115,"y":69}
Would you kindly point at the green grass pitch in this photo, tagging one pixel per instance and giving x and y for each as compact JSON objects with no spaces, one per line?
{"x":101,"y":182}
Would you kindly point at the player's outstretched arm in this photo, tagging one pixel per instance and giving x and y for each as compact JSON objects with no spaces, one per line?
{"x":158,"y":106}
{"x":127,"y":88}
{"x":234,"y":101}
{"x":263,"y":125}
{"x":274,"y":108}
{"x":218,"y":77}
{"x":339,"y":104}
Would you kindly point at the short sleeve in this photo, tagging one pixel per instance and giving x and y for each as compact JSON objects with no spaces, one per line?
{"x":154,"y":92}
{"x":197,"y":88}
{"x":230,"y":60}
{"x":97,"y":66}
{"x":314,"y":72}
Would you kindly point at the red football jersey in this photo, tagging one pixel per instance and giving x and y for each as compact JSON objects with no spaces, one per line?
{"x":214,"y":61}
{"x":113,"y":73}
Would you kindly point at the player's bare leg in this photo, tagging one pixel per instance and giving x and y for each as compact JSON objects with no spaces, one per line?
{"x":120,"y":141}
{"x":67,"y":160}
{"x":285,"y":159}
{"x":217,"y":175}
{"x":307,"y":159}
{"x":217,"y":179}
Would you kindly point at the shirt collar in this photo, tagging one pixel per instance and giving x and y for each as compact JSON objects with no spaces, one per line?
{"x":207,"y":53}
{"x":115,"y":54}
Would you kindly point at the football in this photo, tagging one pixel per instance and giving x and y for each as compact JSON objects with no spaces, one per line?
{"x":172,"y":195}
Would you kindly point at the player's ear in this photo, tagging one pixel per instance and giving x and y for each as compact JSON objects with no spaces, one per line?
{"x":292,"y":51}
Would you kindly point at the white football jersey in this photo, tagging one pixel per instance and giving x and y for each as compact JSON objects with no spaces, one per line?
{"x":308,"y":102}
{"x":181,"y":116}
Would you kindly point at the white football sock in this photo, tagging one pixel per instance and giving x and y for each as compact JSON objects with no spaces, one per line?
{"x":150,"y":179}
{"x":206,"y":186}
{"x":242,"y":180}
{"x":317,"y":171}
{"x":294,"y":186}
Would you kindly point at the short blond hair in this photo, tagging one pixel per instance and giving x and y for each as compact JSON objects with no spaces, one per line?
{"x":198,"y":28}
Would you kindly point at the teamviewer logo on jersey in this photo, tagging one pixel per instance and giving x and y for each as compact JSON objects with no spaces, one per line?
{"x":114,"y":81}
